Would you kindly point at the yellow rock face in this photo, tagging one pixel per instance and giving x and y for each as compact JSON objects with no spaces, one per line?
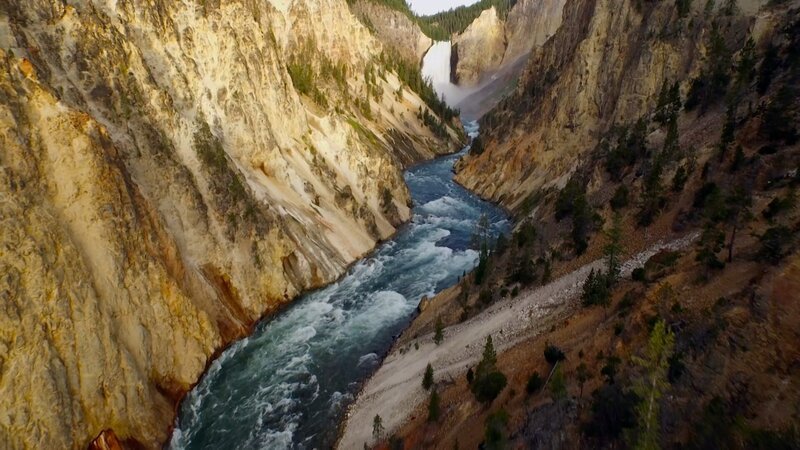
{"x":479,"y":48}
{"x":605,"y":65}
{"x":163,"y":185}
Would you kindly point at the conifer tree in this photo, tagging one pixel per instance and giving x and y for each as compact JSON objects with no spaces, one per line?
{"x":427,"y":378}
{"x":650,"y":388}
{"x":488,"y":381}
{"x":433,"y":406}
{"x":377,"y":428}
{"x":489,"y":360}
{"x":438,"y":334}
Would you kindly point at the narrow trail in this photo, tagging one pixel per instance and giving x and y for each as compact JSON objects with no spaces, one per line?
{"x":395,"y":390}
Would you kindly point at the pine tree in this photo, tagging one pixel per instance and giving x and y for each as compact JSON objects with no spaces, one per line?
{"x":650,"y":388}
{"x":433,"y":406}
{"x":672,"y":140}
{"x":596,"y":289}
{"x":489,"y":360}
{"x":377,"y":428}
{"x":661,"y":115}
{"x":427,"y":378}
{"x":652,"y":197}
{"x":711,"y":243}
{"x":438,"y":334}
{"x":488,"y":380}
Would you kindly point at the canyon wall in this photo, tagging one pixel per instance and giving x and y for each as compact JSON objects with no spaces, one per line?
{"x":492,"y":43}
{"x":394,"y":29}
{"x":170,"y":172}
{"x":478,"y":49}
{"x":610,"y":58}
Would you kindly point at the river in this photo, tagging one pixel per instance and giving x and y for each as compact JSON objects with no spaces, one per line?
{"x":288,"y":384}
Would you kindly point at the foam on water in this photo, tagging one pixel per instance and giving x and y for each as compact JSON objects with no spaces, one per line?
{"x":288,"y":384}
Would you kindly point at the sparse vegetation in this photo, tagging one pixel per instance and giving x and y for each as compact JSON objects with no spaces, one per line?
{"x":377,"y":428}
{"x":572,"y":202}
{"x":427,"y":378}
{"x":438,"y":334}
{"x":535,"y":383}
{"x":489,"y":381}
{"x":553,"y":354}
{"x":650,"y":388}
{"x":434,"y":410}
{"x":495,"y":434}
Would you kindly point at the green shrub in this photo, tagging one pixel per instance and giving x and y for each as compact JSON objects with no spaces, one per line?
{"x":488,"y":381}
{"x":620,"y":198}
{"x":572,"y":201}
{"x":769,"y":64}
{"x":613,"y":411}
{"x":495,"y":432}
{"x":778,"y":206}
{"x":712,"y":84}
{"x":609,"y":370}
{"x":535,"y":382}
{"x":476,"y":148}
{"x":710,"y":244}
{"x":683,"y":7}
{"x":485,"y":297}
{"x":679,"y":180}
{"x":553,"y":354}
{"x":596,"y":290}
{"x":488,"y":387}
{"x":433,"y":407}
{"x":676,"y":367}
{"x":778,"y":124}
{"x":774,"y":242}
{"x":525,"y":234}
{"x":627,"y":302}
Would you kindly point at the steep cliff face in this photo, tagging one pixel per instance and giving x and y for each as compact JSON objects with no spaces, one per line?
{"x":394,"y":29}
{"x":479,"y":49}
{"x":492,"y":42}
{"x":529,"y":24}
{"x":170,"y":172}
{"x":610,"y":58}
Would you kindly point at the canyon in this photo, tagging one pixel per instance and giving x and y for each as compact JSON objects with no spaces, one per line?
{"x":170,"y":176}
{"x":491,"y":42}
{"x":239,"y":223}
{"x":636,"y":123}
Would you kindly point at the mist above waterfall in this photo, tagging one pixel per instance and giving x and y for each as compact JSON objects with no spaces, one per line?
{"x":436,"y":67}
{"x":473,"y":101}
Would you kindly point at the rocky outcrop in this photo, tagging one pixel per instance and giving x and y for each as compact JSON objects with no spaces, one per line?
{"x":529,"y":24}
{"x":170,"y":172}
{"x":479,"y":49}
{"x":394,"y":29}
{"x":610,"y":58}
{"x":492,"y":43}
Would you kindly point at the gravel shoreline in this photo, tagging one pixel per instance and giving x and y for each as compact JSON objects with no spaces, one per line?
{"x":395,"y":389}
